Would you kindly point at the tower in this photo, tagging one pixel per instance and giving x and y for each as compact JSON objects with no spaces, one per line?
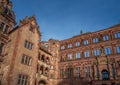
{"x":7,"y":16}
{"x":7,"y":23}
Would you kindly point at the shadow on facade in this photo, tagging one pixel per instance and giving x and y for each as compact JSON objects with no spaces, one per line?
{"x":74,"y":82}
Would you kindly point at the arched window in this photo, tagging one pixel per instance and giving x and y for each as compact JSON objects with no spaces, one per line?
{"x":47,"y":60}
{"x":105,"y":75}
{"x":41,"y":70}
{"x":42,"y":82}
{"x":43,"y":58}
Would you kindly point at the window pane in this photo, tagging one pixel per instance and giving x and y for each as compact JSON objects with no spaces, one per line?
{"x":1,"y":26}
{"x":107,"y":51}
{"x":106,"y":38}
{"x":70,"y":56}
{"x":117,"y":35}
{"x":118,"y":49}
{"x":86,"y":54}
{"x":77,"y":43}
{"x":86,"y":42}
{"x":77,"y":55}
{"x":1,"y":47}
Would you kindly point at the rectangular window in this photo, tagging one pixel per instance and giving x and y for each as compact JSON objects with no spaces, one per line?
{"x":77,"y":43}
{"x":117,"y":35}
{"x":6,"y":29}
{"x":28,"y":45}
{"x":86,"y":42}
{"x":113,"y":71}
{"x":1,"y":47}
{"x":26,"y":60}
{"x":31,"y":28}
{"x":22,"y":80}
{"x":118,"y":49}
{"x":118,"y":64}
{"x":70,"y":56}
{"x":105,"y":38}
{"x":87,"y":70}
{"x":61,"y":73}
{"x":97,"y":52}
{"x":2,"y":26}
{"x":78,"y":72}
{"x":86,"y":54}
{"x":108,"y":51}
{"x":62,"y":47}
{"x":95,"y":40}
{"x":96,"y":72}
{"x":77,"y":55}
{"x":69,"y":45}
{"x":69,"y":72}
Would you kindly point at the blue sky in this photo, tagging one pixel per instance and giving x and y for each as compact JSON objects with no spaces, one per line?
{"x":62,"y":19}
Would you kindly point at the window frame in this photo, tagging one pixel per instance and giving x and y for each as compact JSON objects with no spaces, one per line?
{"x":86,"y":54}
{"x":26,"y":60}
{"x":108,"y":51}
{"x":117,"y":35}
{"x":77,"y":55}
{"x":95,"y":40}
{"x":86,"y":42}
{"x":77,"y":44}
{"x":105,"y":37}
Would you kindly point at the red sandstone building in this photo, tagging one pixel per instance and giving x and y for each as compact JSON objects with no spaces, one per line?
{"x":92,"y":57}
{"x":86,"y":59}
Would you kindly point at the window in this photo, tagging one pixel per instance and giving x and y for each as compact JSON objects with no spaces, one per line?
{"x":47,"y":46}
{"x":118,"y":49}
{"x":62,"y":47}
{"x":105,"y":37}
{"x":22,"y":80}
{"x":96,"y":52}
{"x":51,"y":67}
{"x":1,"y":47}
{"x":61,"y":73}
{"x":117,"y":35}
{"x":107,"y":51}
{"x":118,"y":64}
{"x":2,"y":26}
{"x":78,"y":72}
{"x":6,"y":29}
{"x":31,"y":28}
{"x":86,"y":42}
{"x":69,"y":72}
{"x":95,"y":40}
{"x":70,"y":56}
{"x":87,"y":70}
{"x":28,"y":45}
{"x":26,"y":60}
{"x":77,"y":43}
{"x":51,"y":76}
{"x":97,"y":73}
{"x":77,"y":55}
{"x":69,"y":45}
{"x":105,"y":75}
{"x":86,"y":54}
{"x":113,"y":70}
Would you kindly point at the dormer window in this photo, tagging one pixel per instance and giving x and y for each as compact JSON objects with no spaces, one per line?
{"x":31,"y":28}
{"x":8,"y":12}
